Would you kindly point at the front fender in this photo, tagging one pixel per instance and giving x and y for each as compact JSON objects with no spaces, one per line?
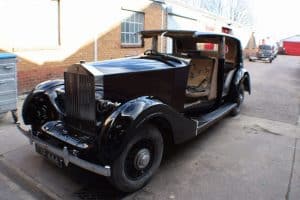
{"x":119,"y":125}
{"x":43,"y":90}
{"x":122,"y":124}
{"x":48,"y":85}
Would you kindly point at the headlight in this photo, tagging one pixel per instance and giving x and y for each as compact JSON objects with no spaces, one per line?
{"x":105,"y":106}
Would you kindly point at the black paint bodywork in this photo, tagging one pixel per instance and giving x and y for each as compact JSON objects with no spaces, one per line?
{"x":145,"y":89}
{"x":120,"y":126}
{"x":145,"y":76}
{"x":45,"y":91}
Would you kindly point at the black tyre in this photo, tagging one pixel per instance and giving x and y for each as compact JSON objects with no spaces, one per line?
{"x":239,"y":99}
{"x":14,"y":115}
{"x":270,"y":60}
{"x":139,"y":160}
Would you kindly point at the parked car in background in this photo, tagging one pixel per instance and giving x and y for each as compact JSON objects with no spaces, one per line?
{"x":265,"y":52}
{"x":117,"y":117}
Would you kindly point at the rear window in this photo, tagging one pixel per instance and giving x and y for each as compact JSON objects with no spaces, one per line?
{"x":207,"y":47}
{"x":265,"y":47}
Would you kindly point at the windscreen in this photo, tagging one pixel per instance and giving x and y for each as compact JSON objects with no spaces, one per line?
{"x":265,"y":47}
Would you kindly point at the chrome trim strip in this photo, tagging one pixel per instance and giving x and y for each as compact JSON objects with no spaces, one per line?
{"x":66,"y":155}
{"x":63,"y":137}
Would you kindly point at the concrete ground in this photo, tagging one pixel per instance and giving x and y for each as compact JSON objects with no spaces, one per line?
{"x":255,"y":155}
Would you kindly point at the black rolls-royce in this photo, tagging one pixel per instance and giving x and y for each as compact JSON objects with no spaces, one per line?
{"x":117,"y":117}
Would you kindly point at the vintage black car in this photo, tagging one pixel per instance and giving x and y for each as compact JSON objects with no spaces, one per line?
{"x":265,"y":53}
{"x":117,"y":117}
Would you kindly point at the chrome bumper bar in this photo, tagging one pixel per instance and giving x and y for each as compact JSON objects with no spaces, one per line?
{"x":65,"y":155}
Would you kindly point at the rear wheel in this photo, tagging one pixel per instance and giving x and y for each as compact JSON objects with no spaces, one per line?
{"x":139,"y":160}
{"x":239,"y":99}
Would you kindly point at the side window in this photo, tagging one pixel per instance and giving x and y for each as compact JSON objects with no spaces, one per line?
{"x":207,"y":47}
{"x":130,"y":26}
{"x":231,"y":51}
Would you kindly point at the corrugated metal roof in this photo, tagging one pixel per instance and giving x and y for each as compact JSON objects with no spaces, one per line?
{"x":295,"y":38}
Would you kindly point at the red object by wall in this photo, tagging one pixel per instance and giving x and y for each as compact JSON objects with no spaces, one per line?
{"x":209,"y":46}
{"x":292,"y":48}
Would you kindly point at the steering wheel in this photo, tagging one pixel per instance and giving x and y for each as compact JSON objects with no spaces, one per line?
{"x":150,"y":52}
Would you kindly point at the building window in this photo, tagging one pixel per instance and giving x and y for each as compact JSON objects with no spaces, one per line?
{"x":130,"y":26}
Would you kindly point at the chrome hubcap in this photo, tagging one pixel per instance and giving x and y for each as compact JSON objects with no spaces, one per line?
{"x":142,"y":159}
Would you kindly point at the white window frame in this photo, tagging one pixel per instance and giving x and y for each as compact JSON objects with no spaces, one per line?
{"x":130,"y":27}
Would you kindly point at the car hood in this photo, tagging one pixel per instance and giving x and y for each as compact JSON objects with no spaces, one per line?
{"x":129,"y":78}
{"x":124,"y":79}
{"x":136,"y":64}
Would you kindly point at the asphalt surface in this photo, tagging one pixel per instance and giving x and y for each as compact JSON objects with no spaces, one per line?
{"x":275,"y":89}
{"x":255,"y":155}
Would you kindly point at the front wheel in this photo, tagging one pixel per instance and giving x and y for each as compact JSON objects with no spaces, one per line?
{"x":139,"y":160}
{"x":239,"y":99}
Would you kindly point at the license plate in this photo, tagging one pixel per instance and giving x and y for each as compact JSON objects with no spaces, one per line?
{"x":58,"y":161}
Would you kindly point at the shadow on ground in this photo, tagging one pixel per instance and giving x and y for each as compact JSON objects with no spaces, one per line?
{"x":96,"y":187}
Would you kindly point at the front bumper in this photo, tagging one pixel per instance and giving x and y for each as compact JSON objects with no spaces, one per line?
{"x":263,"y":57}
{"x":259,"y":58}
{"x":65,"y":154}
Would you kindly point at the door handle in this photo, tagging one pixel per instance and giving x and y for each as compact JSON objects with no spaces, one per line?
{"x":8,"y":67}
{"x":5,"y":81}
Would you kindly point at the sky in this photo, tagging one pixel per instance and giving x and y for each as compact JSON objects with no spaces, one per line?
{"x":276,"y":19}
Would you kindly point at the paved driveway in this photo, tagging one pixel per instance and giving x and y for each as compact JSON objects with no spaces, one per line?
{"x":255,"y":155}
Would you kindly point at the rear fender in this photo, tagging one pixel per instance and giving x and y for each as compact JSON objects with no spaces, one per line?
{"x":242,"y":75}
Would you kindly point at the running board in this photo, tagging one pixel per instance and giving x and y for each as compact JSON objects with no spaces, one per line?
{"x":209,"y":119}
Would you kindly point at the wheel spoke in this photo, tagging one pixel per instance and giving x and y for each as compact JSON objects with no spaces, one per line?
{"x":137,"y":163}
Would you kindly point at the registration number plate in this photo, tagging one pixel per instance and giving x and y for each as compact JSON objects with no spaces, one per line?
{"x":58,"y":161}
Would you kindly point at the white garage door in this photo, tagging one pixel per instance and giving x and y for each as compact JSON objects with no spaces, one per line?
{"x":181,"y":23}
{"x":176,"y":22}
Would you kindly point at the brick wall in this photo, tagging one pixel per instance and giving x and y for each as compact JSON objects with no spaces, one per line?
{"x":109,"y":47}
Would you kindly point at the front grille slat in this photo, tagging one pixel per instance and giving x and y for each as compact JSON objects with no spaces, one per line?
{"x":80,"y":102}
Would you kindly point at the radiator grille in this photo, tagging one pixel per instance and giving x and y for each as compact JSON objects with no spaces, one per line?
{"x":80,"y":103}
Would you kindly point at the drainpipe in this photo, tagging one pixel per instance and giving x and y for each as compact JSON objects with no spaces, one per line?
{"x":164,"y":13}
{"x":95,"y":47}
{"x":58,"y":21}
{"x":161,"y":42}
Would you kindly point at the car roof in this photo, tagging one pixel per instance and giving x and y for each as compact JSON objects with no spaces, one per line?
{"x":183,"y":33}
{"x":168,"y":33}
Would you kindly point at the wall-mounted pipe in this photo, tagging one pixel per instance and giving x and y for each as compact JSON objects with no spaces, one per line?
{"x":95,"y":47}
{"x":164,"y":12}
